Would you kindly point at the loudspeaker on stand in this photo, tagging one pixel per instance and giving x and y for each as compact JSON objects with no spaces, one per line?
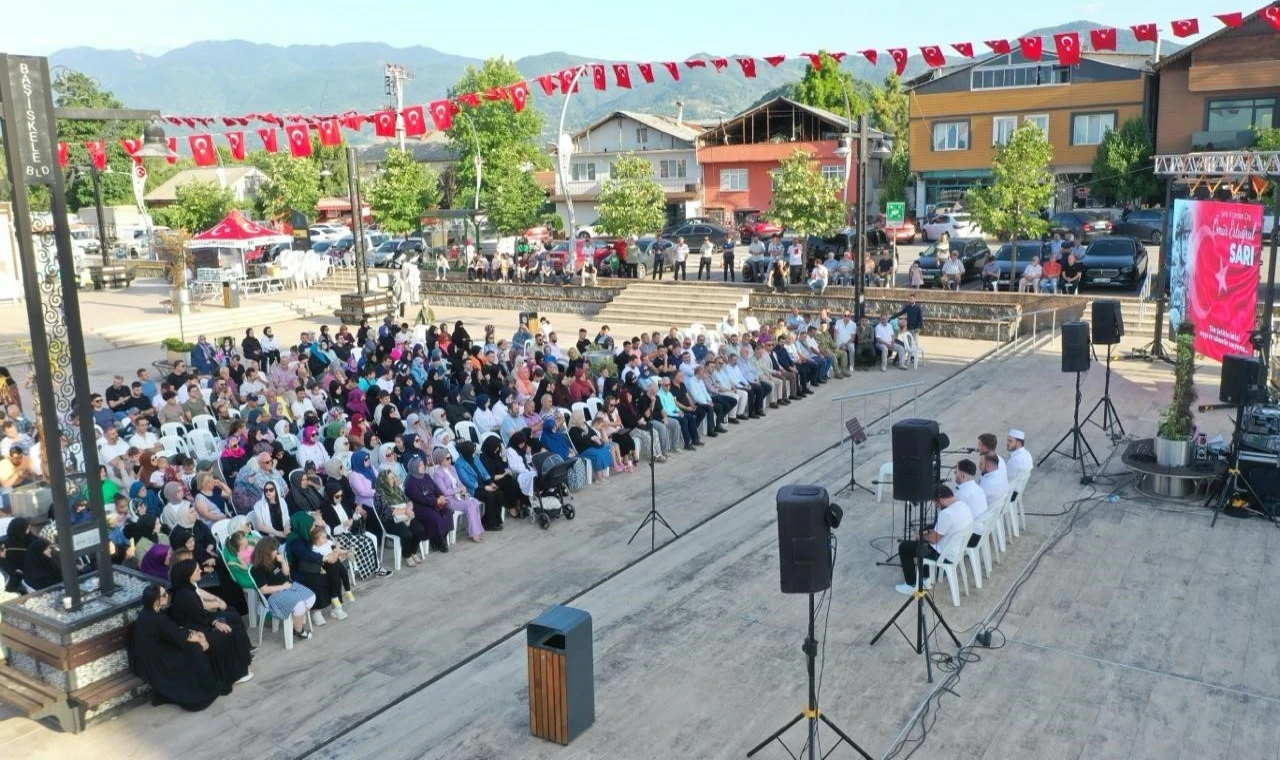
{"x":1108,"y":322}
{"x":1075,"y":346}
{"x":805,"y":519}
{"x":1242,"y":380}
{"x":914,"y":442}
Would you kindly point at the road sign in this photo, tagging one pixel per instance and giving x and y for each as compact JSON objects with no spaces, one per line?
{"x":895,"y":212}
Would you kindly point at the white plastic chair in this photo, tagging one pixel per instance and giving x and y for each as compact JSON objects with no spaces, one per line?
{"x":950,"y":561}
{"x":221,"y":531}
{"x":205,"y":422}
{"x":915,"y":354}
{"x":466,"y":429}
{"x":980,"y":555}
{"x":565,"y":413}
{"x":885,"y":478}
{"x":1017,"y":511}
{"x":233,"y":412}
{"x":202,"y":445}
{"x":172,"y":430}
{"x":174,"y":444}
{"x":387,"y":538}
{"x":587,"y":411}
{"x":594,"y":403}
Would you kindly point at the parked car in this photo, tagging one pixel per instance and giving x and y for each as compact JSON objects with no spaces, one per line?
{"x":973,"y":253}
{"x":379,"y":256}
{"x":695,"y":232}
{"x":587,"y":231}
{"x":327,"y":232}
{"x":755,"y":227}
{"x":641,"y":254}
{"x":540,"y":233}
{"x":1114,"y":261}
{"x":1083,"y":225}
{"x":955,"y":225}
{"x":904,"y":235}
{"x":1027,"y":249}
{"x":1146,"y":225}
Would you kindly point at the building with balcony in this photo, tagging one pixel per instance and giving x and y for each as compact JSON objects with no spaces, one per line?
{"x":961,"y":115}
{"x":1213,"y":93}
{"x":740,"y":156}
{"x":666,"y":143}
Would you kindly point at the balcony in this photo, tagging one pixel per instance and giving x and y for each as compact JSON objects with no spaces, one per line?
{"x":674,"y":188}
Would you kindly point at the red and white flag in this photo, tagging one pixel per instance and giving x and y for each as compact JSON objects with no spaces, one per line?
{"x":622,"y":75}
{"x":999,"y":47}
{"x":139,"y":177}
{"x":548,"y":84}
{"x":62,"y":154}
{"x":202,"y":150}
{"x":696,"y":63}
{"x":268,"y":135}
{"x":519,"y":93}
{"x":236,"y":141}
{"x":815,"y":59}
{"x":568,"y":80}
{"x":899,"y":59}
{"x":1271,"y":15}
{"x":1068,"y":47}
{"x":720,"y":63}
{"x":442,"y":112}
{"x":597,"y":76}
{"x":494,"y":94}
{"x":131,"y":147}
{"x":963,"y":48}
{"x":1231,"y":20}
{"x":384,"y":124}
{"x":330,"y":133}
{"x":299,"y":140}
{"x":748,"y":67}
{"x":172,"y":158}
{"x":472,"y":99}
{"x":1032,"y":47}
{"x":775,"y":60}
{"x":97,"y":153}
{"x":1185,"y":27}
{"x":646,"y":72}
{"x":872,"y":55}
{"x":933,"y":56}
{"x":415,"y":120}
{"x":1144,"y":32}
{"x":672,"y":69}
{"x":1103,"y":39}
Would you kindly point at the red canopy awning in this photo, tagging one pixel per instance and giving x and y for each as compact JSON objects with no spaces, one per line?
{"x":238,"y":232}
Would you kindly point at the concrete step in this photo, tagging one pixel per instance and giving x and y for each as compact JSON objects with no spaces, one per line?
{"x":672,"y":301}
{"x":659,"y":319}
{"x":220,"y":321}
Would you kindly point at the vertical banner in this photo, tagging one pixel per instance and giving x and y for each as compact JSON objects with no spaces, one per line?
{"x":1213,"y":273}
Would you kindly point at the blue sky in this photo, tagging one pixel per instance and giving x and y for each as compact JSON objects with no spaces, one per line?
{"x":653,"y":29}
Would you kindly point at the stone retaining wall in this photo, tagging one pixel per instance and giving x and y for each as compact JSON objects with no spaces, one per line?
{"x":982,"y":318}
{"x":519,"y":297}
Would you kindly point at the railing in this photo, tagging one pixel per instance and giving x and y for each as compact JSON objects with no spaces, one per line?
{"x":1144,"y":293}
{"x":1016,"y":340}
{"x":593,"y":186}
{"x":866,"y":397}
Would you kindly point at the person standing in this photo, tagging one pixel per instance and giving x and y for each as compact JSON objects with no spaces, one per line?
{"x":705,"y":252}
{"x":726,"y":262}
{"x":795,"y":259}
{"x":680,"y":271}
{"x":659,"y":257}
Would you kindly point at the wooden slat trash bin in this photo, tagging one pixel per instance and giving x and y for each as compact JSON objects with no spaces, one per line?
{"x":561,"y":675}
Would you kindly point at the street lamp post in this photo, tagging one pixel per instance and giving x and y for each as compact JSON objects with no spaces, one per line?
{"x":564,"y":152}
{"x":102,"y":223}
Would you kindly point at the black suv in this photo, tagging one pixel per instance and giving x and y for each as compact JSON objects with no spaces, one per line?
{"x":1027,"y":249}
{"x":1145,"y":224}
{"x":973,"y":254}
{"x":1115,"y":261}
{"x":1083,"y":225}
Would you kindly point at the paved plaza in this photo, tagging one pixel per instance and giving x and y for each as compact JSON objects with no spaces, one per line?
{"x":1126,"y":629}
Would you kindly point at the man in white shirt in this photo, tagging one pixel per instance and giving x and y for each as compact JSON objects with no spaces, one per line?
{"x":1030,"y":282}
{"x":111,"y":446}
{"x":705,"y":252}
{"x":952,"y":271}
{"x":885,"y":344}
{"x":749,"y":321}
{"x":757,"y":247}
{"x":953,"y":515}
{"x":994,"y":483}
{"x":680,"y":270}
{"x":818,"y":279}
{"x":143,"y":438}
{"x":730,"y":327}
{"x":1020,"y":460}
{"x":968,"y":491}
{"x":846,"y":335}
{"x":987,"y":445}
{"x":252,"y":385}
{"x":795,"y":260}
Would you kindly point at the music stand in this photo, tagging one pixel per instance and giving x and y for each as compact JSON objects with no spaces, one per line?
{"x":856,"y":436}
{"x":1079,"y":444}
{"x":654,"y":517}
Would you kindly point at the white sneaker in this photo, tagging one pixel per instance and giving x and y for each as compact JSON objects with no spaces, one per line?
{"x":317,"y":618}
{"x":246,"y":677}
{"x":904,"y":589}
{"x":340,"y":614}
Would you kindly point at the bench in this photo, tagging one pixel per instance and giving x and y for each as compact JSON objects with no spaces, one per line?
{"x":35,"y":699}
{"x":98,"y":693}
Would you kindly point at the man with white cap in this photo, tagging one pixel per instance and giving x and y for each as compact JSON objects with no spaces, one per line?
{"x":1020,"y":460}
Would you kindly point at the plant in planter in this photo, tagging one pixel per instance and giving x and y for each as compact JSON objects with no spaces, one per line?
{"x":176,"y":349}
{"x":1173,"y":438}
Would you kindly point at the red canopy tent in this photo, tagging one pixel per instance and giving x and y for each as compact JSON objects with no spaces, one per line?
{"x":235,"y":231}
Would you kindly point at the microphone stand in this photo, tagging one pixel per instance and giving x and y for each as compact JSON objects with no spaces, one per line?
{"x":654,"y":517}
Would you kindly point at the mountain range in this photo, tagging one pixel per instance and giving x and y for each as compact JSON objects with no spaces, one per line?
{"x":235,"y":77}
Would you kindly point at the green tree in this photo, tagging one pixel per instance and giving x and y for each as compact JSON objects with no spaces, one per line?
{"x":1267,"y":139}
{"x":631,"y":202}
{"x":827,"y":85}
{"x":891,"y":113}
{"x":198,"y":206}
{"x":72,"y":89}
{"x":1122,"y":168}
{"x":1021,"y":187}
{"x":333,"y":159}
{"x":290,"y":184}
{"x":803,"y":200}
{"x":510,"y":195}
{"x":399,"y":195}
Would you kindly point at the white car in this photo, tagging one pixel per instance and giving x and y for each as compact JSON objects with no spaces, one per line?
{"x":955,"y":225}
{"x":587,"y":231}
{"x":328,"y":233}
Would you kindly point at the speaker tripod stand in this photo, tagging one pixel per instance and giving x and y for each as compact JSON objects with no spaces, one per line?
{"x":1110,"y":424}
{"x":1236,"y":482}
{"x":654,"y":517}
{"x":920,"y":597}
{"x":1079,"y":444}
{"x":810,"y":713}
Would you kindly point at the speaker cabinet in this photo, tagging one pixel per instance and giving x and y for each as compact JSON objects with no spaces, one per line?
{"x":914,"y":444}
{"x":804,"y":539}
{"x":1242,"y":380}
{"x":1075,"y":346}
{"x":1108,"y":322}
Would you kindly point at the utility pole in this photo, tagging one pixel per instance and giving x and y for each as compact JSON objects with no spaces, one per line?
{"x":394,"y":76}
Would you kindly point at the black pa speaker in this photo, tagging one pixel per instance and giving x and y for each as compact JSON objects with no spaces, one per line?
{"x":1242,"y":380}
{"x":1108,"y":322}
{"x":914,"y":445}
{"x":1075,"y":346}
{"x":804,"y":538}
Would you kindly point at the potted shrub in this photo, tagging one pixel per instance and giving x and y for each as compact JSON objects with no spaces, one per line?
{"x":1173,"y":438}
{"x":171,"y":248}
{"x":176,"y":349}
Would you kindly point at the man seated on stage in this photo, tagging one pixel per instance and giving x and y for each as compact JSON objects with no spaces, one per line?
{"x":987,"y":445}
{"x":885,"y":344}
{"x":1020,"y":460}
{"x":866,"y":343}
{"x":994,"y":483}
{"x":1071,"y":275}
{"x":968,"y":491}
{"x":953,"y":515}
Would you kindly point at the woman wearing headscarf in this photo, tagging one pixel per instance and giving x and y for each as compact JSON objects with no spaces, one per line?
{"x":388,"y":459}
{"x":355,"y":403}
{"x":486,"y":419}
{"x":307,"y":492}
{"x":270,"y":514}
{"x":643,"y":430}
{"x":322,"y":573}
{"x":18,"y":538}
{"x":460,"y":340}
{"x":357,"y":431}
{"x":228,"y":651}
{"x":388,"y":422}
{"x":493,"y":458}
{"x":234,"y":449}
{"x":454,"y":410}
{"x":592,"y":446}
{"x":252,"y":480}
{"x":310,"y":449}
{"x":172,"y":660}
{"x":476,"y":479}
{"x":284,"y":461}
{"x":398,"y":517}
{"x":251,"y":348}
{"x":41,"y":568}
{"x":150,"y":549}
{"x":609,"y":423}
{"x":347,"y":524}
{"x":362,"y":479}
{"x":519,"y":461}
{"x":524,"y":382}
{"x":455,"y":492}
{"x":555,"y":434}
{"x":430,"y":505}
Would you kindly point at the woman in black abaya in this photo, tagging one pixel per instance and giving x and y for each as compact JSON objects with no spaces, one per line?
{"x":171,"y":659}
{"x":228,"y":643}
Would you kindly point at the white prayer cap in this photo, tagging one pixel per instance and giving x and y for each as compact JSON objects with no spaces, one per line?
{"x":1016,"y":433}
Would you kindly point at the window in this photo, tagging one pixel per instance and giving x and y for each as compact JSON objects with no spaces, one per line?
{"x":1239,"y":115}
{"x":951,"y":135}
{"x":672,"y":168}
{"x":584,"y":171}
{"x":1090,"y":128}
{"x":642,"y":135}
{"x":1040,"y":120}
{"x":773,"y":179}
{"x":835,"y":172}
{"x":1002,"y":129}
{"x":999,"y":77}
{"x":733,"y":179}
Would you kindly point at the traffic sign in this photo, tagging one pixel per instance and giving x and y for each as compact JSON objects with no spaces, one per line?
{"x":895,"y":213}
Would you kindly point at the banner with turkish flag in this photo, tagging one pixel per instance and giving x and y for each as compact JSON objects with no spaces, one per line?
{"x":672,"y":69}
{"x":442,"y":112}
{"x":519,"y":93}
{"x":97,"y":153}
{"x":568,"y":80}
{"x":597,"y":76}
{"x":62,"y":155}
{"x":1213,"y":273}
{"x":1032,"y":48}
{"x":415,"y":119}
{"x":999,"y":47}
{"x":1103,"y":39}
{"x":470,"y":98}
{"x":236,"y":141}
{"x":494,"y":94}
{"x":1144,"y":32}
{"x":384,"y":124}
{"x":815,"y":59}
{"x":268,"y":137}
{"x":720,"y":63}
{"x":1271,"y":15}
{"x":1185,"y":27}
{"x":871,"y":55}
{"x":646,"y":72}
{"x":899,"y":59}
{"x":1231,"y":20}
{"x":622,"y":75}
{"x":933,"y":56}
{"x":775,"y":60}
{"x":548,"y":84}
{"x":1068,"y":47}
{"x":963,"y":48}
{"x":748,"y":67}
{"x":132,"y":146}
{"x":299,"y":140}
{"x":172,"y":158}
{"x":330,"y":132}
{"x":696,"y":63}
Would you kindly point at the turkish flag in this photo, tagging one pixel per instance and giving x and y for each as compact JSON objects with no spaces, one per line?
{"x":548,"y":84}
{"x":268,"y":136}
{"x":1144,"y":32}
{"x":415,"y":120}
{"x":696,"y":63}
{"x":838,"y":56}
{"x":202,"y":150}
{"x":131,"y":146}
{"x":442,"y":112}
{"x":871,"y":55}
{"x":1068,"y":47}
{"x":748,"y":67}
{"x":963,"y":48}
{"x":494,"y":94}
{"x":384,"y":124}
{"x":775,"y":60}
{"x":236,"y":141}
{"x":1231,"y":20}
{"x":1103,"y":39}
{"x":519,"y":93}
{"x":933,"y":56}
{"x":622,"y":75}
{"x":1271,"y":14}
{"x":352,"y":121}
{"x":62,"y":154}
{"x":646,"y":72}
{"x":228,"y":121}
{"x":299,"y":140}
{"x":815,"y":59}
{"x":97,"y":153}
{"x":172,"y":158}
{"x":1185,"y":27}
{"x":472,"y":99}
{"x":597,"y":76}
{"x":672,"y":69}
{"x":330,"y":133}
{"x":899,"y":59}
{"x":568,"y":79}
{"x":999,"y":47}
{"x":720,"y":63}
{"x":1032,"y":47}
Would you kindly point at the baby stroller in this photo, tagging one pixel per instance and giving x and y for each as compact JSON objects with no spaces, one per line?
{"x":551,"y":488}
